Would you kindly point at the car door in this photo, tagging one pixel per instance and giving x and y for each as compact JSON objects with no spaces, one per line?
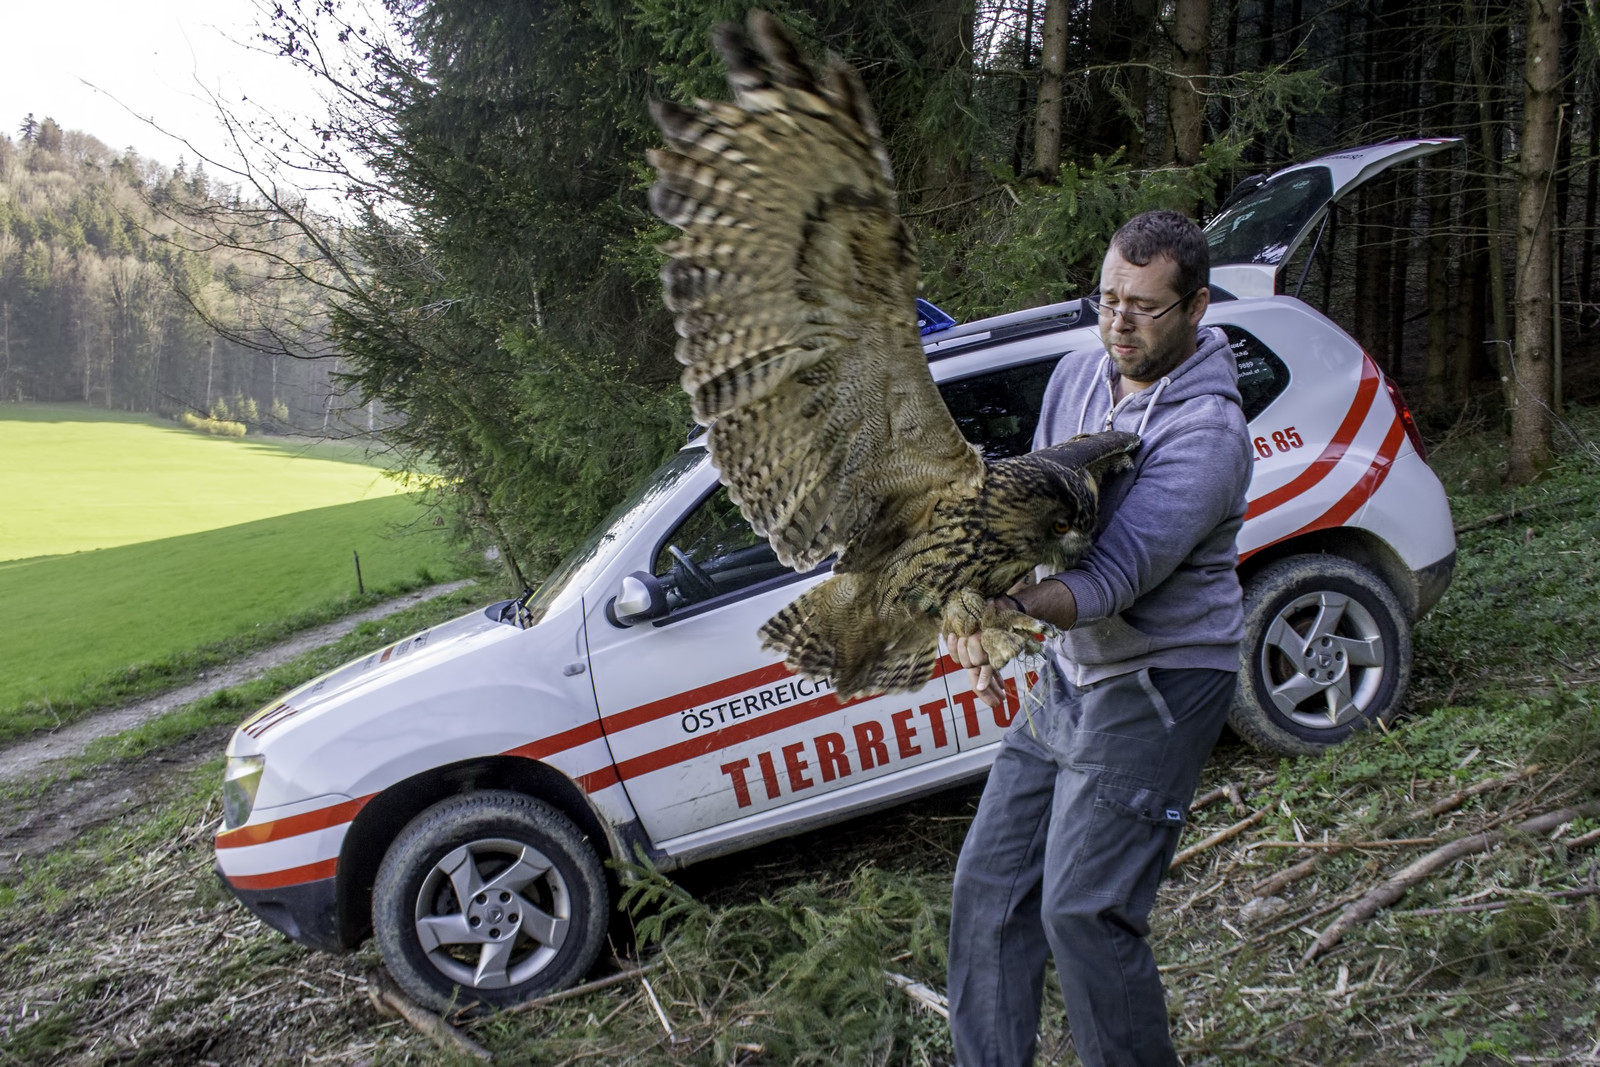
{"x":710,"y":731}
{"x":708,"y":728}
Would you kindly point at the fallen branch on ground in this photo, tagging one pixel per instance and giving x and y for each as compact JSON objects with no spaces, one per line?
{"x":388,"y":1000}
{"x":1225,"y":834}
{"x":1303,"y":869}
{"x":1389,"y":891}
{"x":925,"y":995}
{"x":1581,"y":840}
{"x":1461,"y":796}
{"x":1288,"y":876}
{"x":1502,"y":516}
{"x":587,"y":987}
{"x":1336,"y":846}
{"x":1499,"y":905}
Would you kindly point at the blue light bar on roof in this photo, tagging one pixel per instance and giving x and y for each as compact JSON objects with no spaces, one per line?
{"x":930,"y":319}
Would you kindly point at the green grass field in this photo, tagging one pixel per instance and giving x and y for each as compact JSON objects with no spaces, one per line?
{"x":196,"y":573}
{"x":74,"y":478}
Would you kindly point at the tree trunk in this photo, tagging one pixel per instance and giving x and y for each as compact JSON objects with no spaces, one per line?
{"x":1052,"y":67}
{"x":1484,"y":53}
{"x":1019,"y":138}
{"x":1186,"y":107}
{"x":1591,"y":201}
{"x":1535,"y":281}
{"x":1436,"y":364}
{"x":946,"y":28}
{"x":1141,"y":17}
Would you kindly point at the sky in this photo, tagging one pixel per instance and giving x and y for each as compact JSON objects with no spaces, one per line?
{"x":99,"y":65}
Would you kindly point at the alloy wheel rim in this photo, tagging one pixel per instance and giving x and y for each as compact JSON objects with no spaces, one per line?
{"x":1323,"y":659}
{"x":492,"y":913}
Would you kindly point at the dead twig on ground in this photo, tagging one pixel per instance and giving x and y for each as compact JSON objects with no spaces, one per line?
{"x":1390,"y":890}
{"x":1337,"y":846}
{"x":925,"y":995}
{"x":388,"y":1000}
{"x":587,"y":987}
{"x":1227,"y":833}
{"x":1502,"y":516}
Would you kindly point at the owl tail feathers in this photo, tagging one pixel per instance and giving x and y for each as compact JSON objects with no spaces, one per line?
{"x":831,"y":632}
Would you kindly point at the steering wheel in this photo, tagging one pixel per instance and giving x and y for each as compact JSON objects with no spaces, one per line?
{"x":691,"y":579}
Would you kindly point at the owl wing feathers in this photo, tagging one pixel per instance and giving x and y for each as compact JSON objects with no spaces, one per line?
{"x":793,"y":285}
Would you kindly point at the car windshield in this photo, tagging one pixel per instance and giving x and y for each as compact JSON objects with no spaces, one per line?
{"x":1264,"y":226}
{"x":571,"y":577}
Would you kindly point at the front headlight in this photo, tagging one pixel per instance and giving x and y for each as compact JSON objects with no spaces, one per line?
{"x":239,"y":783}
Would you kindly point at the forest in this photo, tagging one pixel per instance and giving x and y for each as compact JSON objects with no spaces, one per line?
{"x":97,"y":303}
{"x":491,"y":278}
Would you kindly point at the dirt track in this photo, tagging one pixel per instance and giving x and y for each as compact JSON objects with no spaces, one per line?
{"x":43,"y":823}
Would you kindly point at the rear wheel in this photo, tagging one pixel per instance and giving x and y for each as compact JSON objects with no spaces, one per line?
{"x":490,"y":896}
{"x":1327,"y":651}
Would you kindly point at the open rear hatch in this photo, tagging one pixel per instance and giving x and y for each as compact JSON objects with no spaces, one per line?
{"x":1267,"y":219}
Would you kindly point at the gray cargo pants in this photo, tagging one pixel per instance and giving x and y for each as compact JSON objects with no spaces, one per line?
{"x":1077,"y":825}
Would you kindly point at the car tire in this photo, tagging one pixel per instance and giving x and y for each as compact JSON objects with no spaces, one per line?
{"x":490,"y":897}
{"x":1327,"y":651}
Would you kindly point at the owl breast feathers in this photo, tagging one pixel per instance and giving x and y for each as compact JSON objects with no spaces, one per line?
{"x":793,"y":286}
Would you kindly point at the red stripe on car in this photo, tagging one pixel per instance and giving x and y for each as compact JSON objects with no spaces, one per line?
{"x":1369,"y":483}
{"x":293,"y":825}
{"x":1366,"y":390}
{"x":311,"y":872}
{"x":705,"y":694}
{"x":595,"y":781}
{"x":549,"y":746}
{"x":701,"y":744}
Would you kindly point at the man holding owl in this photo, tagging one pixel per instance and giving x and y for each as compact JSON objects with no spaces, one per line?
{"x":792,"y":283}
{"x":1087,"y":797}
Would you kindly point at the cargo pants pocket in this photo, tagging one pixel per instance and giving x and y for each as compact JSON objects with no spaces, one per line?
{"x":1132,"y":834}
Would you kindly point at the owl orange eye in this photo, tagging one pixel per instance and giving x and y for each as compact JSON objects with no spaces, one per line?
{"x":1063,"y":527}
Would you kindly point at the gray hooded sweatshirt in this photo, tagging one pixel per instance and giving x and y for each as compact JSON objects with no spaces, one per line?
{"x":1158,"y":588}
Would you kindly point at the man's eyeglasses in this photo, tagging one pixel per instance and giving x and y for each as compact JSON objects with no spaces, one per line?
{"x":1111,"y":311}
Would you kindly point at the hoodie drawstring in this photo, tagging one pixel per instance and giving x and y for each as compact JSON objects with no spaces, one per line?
{"x":1150,"y":408}
{"x":1111,"y":412}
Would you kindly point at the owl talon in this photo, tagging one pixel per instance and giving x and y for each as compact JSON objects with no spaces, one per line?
{"x":965,"y":614}
{"x":1006,"y":634}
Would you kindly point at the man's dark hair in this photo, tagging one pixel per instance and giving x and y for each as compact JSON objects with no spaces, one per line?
{"x":1171,"y":234}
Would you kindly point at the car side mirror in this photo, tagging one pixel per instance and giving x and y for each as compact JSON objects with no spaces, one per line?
{"x":640,"y":598}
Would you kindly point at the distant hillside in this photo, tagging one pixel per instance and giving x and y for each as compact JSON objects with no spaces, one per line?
{"x":93,"y":282}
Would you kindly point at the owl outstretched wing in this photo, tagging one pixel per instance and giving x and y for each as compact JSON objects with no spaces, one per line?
{"x":793,"y":285}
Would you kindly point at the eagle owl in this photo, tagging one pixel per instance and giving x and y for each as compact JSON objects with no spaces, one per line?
{"x":793,"y":284}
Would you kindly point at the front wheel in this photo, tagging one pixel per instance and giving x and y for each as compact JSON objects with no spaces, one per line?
{"x":489,"y":896}
{"x":1327,"y":650}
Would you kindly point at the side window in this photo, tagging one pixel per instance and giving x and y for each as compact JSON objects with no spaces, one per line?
{"x":1262,"y":375}
{"x":999,"y":411}
{"x":712,"y":552}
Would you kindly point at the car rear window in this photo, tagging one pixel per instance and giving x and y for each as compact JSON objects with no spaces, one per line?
{"x":1263,"y":226}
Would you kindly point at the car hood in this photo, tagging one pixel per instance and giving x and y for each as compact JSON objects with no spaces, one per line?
{"x":434,"y":643}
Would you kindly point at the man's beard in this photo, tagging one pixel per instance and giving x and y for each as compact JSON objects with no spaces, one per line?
{"x":1149,"y":364}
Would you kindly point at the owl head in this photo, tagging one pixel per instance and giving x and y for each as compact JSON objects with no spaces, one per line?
{"x":1054,"y":494}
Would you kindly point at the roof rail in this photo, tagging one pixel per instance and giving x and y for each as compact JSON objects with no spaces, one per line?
{"x":1066,"y":315}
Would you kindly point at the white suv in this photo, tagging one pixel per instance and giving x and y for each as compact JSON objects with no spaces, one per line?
{"x":458,"y":792}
